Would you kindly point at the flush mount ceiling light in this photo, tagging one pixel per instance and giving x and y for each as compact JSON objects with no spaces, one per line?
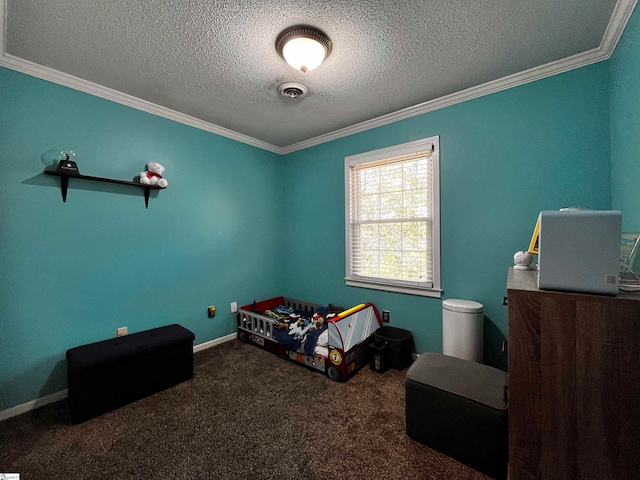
{"x":303,"y":47}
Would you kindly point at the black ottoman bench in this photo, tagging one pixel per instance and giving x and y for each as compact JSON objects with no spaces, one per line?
{"x":459,"y":407}
{"x":105,"y":375}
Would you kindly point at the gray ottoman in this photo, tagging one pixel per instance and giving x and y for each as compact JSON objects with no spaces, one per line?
{"x":459,"y":408}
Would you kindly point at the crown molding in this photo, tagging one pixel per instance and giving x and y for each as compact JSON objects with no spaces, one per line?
{"x":55,"y":76}
{"x":621,"y":14}
{"x":619,"y":19}
{"x":76,"y":83}
{"x":504,"y":83}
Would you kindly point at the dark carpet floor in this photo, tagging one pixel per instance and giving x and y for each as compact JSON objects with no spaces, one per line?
{"x":247,"y":414}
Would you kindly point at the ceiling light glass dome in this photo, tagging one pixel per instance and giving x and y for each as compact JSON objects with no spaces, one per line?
{"x":303,"y":47}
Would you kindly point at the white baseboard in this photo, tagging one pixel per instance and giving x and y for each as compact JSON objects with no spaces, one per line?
{"x":33,"y":404}
{"x":213,"y":343}
{"x":62,"y":394}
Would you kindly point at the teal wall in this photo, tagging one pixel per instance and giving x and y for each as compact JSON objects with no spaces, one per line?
{"x":237,"y":223}
{"x":504,"y":157}
{"x":72,"y":273}
{"x":625,"y":125}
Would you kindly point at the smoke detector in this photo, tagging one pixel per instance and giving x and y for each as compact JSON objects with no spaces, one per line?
{"x":292,"y":90}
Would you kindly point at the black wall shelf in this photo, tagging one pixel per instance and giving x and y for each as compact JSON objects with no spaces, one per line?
{"x":65,"y":176}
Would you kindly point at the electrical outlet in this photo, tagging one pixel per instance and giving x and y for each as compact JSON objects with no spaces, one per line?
{"x":234,"y":307}
{"x":122,"y":331}
{"x":385,"y":316}
{"x":211,"y":311}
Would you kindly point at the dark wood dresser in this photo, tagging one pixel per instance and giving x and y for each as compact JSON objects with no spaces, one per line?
{"x":574,"y":383}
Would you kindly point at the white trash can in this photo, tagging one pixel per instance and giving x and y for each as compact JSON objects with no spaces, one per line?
{"x":463,"y":329}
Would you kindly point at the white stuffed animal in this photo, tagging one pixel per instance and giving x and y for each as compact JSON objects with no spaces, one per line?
{"x":522,"y":260}
{"x":153,"y":175}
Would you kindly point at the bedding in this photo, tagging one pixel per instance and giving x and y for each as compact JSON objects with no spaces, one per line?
{"x":299,"y":330}
{"x":330,"y":339}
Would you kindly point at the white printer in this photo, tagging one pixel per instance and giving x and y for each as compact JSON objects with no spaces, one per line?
{"x":579,"y":250}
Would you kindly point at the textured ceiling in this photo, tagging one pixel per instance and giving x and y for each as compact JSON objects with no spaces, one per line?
{"x":216,"y":60}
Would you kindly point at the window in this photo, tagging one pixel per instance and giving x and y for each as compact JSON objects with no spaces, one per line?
{"x":393,"y":218}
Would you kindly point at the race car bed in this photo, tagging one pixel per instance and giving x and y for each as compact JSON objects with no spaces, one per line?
{"x":334,"y":342}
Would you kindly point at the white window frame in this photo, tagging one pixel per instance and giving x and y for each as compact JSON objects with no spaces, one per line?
{"x":351,"y":279}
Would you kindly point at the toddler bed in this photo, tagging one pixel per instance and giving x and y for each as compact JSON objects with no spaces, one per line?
{"x":332,"y":342}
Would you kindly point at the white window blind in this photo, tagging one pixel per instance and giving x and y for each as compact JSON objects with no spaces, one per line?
{"x":391,"y":239}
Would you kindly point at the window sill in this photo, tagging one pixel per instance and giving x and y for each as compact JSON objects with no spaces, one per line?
{"x":423,"y":292}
